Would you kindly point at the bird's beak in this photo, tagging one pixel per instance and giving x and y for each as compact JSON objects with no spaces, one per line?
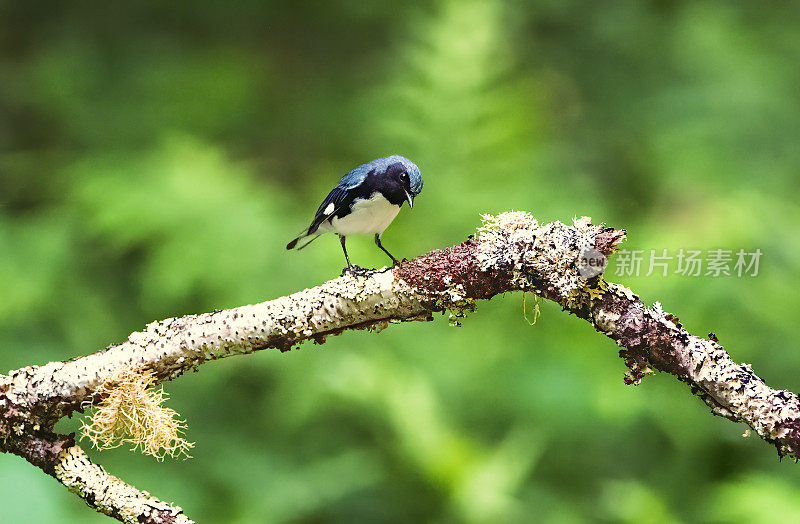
{"x":410,"y":199}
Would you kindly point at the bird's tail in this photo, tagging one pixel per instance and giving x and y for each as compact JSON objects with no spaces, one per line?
{"x":293,"y":243}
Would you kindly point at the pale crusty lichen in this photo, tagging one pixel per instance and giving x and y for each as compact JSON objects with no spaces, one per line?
{"x":110,"y":495}
{"x":455,"y":301}
{"x":624,"y":291}
{"x":534,"y":252}
{"x":173,"y":346}
{"x":730,"y":389}
{"x":738,"y":393}
{"x":499,"y":236}
{"x":131,"y":412}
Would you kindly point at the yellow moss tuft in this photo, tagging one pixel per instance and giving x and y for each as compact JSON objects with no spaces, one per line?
{"x":130,"y":413}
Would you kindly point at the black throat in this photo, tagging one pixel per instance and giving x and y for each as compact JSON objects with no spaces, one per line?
{"x":386,"y":183}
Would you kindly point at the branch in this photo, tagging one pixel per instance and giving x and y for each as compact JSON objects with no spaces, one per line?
{"x":512,"y":253}
{"x":59,"y":457}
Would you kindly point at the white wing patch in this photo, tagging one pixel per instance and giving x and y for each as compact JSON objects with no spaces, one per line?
{"x":329,"y":209}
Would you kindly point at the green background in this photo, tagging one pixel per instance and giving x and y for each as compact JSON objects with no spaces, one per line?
{"x":155,"y":159}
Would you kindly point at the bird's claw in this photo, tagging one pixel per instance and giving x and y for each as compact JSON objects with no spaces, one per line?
{"x":356,"y":271}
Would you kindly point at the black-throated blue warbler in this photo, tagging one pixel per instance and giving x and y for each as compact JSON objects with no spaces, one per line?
{"x":365,"y":201}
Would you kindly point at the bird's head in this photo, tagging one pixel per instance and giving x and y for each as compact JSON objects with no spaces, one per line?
{"x":407,"y":174}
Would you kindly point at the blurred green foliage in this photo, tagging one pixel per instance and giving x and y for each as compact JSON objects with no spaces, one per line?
{"x":156,"y":157}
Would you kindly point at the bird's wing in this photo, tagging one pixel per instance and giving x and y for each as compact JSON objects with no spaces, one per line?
{"x":335,"y":200}
{"x":355,"y":177}
{"x":339,"y":197}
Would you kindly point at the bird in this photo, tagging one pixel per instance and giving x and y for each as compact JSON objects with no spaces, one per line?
{"x":365,"y":201}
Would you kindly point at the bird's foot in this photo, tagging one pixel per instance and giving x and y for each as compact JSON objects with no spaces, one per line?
{"x":356,"y":271}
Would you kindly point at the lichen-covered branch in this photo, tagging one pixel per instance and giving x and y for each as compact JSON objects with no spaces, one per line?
{"x":58,"y":456}
{"x":111,"y":496}
{"x":511,"y":252}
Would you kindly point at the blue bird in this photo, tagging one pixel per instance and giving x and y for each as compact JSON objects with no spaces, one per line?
{"x":365,"y":201}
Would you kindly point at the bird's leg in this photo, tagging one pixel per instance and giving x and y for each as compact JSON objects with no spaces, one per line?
{"x":352,"y":269}
{"x":378,"y":243}
{"x":342,"y":239}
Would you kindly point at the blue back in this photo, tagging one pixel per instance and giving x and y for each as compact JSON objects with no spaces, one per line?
{"x":357,"y":175}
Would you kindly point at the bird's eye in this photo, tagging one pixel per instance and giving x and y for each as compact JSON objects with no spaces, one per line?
{"x":404,"y":175}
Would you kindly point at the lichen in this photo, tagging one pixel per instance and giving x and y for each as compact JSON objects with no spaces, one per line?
{"x":588,"y":294}
{"x":131,"y":412}
{"x":110,"y":495}
{"x":542,"y":257}
{"x":536,"y":310}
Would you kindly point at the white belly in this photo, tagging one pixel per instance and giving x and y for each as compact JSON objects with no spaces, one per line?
{"x":368,"y":216}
